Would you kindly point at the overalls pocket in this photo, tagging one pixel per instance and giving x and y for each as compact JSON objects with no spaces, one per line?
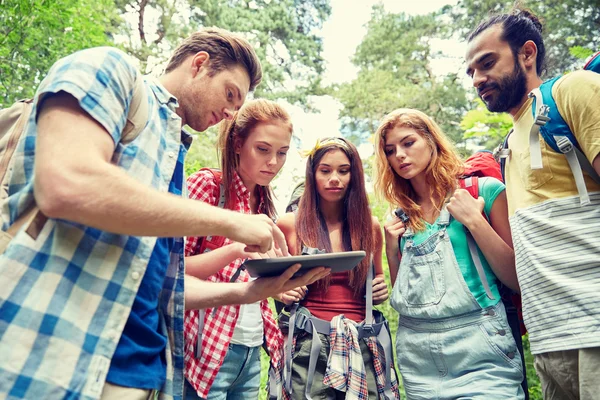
{"x":422,"y":282}
{"x":500,"y":339}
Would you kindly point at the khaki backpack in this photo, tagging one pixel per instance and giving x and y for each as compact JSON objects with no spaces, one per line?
{"x":13,"y":121}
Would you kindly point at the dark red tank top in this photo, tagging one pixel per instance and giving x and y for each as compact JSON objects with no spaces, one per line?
{"x":339,"y":298}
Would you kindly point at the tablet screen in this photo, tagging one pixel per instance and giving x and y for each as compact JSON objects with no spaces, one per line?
{"x":338,"y":262}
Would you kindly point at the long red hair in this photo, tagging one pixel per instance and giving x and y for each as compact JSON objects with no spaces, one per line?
{"x":441,"y":174}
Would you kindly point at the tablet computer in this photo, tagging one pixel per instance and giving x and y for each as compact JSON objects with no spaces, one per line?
{"x":338,"y":262}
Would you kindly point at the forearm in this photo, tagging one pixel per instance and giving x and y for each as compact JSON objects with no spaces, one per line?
{"x":393,"y":258}
{"x":201,"y":294}
{"x":116,"y":202}
{"x":499,"y":255}
{"x":204,"y":265}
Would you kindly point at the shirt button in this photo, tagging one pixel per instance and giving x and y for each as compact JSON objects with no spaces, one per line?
{"x":491,"y":313}
{"x":511,"y":355}
{"x":502,"y":332}
{"x":171,"y":155}
{"x":112,"y":334}
{"x":135,"y":275}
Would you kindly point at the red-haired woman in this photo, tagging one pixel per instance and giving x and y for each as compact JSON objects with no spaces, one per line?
{"x":223,"y":345}
{"x":334,"y":216}
{"x":453,"y":337}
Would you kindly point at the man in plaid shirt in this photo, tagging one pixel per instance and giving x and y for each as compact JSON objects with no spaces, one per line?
{"x":92,"y":302}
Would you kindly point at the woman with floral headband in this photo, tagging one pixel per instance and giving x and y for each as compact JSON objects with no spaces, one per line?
{"x":453,"y":339}
{"x":334,"y":216}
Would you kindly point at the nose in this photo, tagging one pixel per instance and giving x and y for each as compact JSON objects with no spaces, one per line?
{"x":228,"y":114}
{"x":478,"y":78}
{"x":334,"y":179}
{"x":272,"y":160}
{"x":400,"y":153}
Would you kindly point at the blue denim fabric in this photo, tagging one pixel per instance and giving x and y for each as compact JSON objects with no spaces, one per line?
{"x":447,"y":346}
{"x":238,"y":378}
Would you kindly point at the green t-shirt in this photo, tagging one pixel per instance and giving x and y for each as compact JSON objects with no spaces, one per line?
{"x":489,"y":189}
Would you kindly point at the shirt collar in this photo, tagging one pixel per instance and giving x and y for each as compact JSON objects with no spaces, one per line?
{"x":186,"y":138}
{"x":242,"y":191}
{"x":162,"y":95}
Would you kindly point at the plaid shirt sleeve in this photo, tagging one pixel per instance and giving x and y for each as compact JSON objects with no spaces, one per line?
{"x":66,"y":294}
{"x":345,"y":366}
{"x":201,"y":186}
{"x":101,"y":79}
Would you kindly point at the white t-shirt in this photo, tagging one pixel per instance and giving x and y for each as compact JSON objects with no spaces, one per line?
{"x":249,"y":330}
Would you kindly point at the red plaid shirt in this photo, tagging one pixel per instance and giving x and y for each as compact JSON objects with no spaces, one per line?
{"x":220,"y":322}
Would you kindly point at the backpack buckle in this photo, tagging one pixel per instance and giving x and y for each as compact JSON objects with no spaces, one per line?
{"x":500,"y":152}
{"x":564,"y":144}
{"x":542,"y":119}
{"x":401,"y":215}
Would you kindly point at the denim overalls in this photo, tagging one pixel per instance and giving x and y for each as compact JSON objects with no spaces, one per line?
{"x":448,"y":347}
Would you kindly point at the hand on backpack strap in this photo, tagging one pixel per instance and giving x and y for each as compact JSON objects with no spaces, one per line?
{"x":466,"y":209}
{"x":292,"y":296}
{"x":394,"y":228}
{"x":380,"y":290}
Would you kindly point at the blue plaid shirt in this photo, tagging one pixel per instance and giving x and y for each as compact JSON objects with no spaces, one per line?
{"x":65,"y":296}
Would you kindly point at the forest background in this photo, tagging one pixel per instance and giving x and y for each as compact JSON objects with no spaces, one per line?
{"x":401,"y":61}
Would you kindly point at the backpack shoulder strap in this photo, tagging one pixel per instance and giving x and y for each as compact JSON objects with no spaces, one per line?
{"x":218,"y":177}
{"x":137,"y":118}
{"x":471,"y":185}
{"x":555,"y":131}
{"x":593,"y":63}
{"x":502,"y":154}
{"x":203,"y":243}
{"x":12,"y":123}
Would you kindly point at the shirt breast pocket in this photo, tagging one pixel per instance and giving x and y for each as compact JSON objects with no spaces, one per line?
{"x":532,"y":178}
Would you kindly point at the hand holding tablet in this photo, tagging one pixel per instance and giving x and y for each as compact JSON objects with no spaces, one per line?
{"x":337,"y":262}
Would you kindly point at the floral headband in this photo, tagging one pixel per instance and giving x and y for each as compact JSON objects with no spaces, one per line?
{"x":322,"y":142}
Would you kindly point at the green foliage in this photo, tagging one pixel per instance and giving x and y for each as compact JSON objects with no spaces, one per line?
{"x":395,"y":57}
{"x":580,"y":52}
{"x":36,"y":33}
{"x":485,"y":128}
{"x":284,"y":34}
{"x":395,"y":72}
{"x":202,"y":152}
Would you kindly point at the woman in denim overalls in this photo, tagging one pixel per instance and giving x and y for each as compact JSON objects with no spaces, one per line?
{"x":453,"y":339}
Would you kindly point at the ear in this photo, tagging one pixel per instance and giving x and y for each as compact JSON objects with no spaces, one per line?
{"x":200,"y":60}
{"x":528,"y":54}
{"x":237,"y":145}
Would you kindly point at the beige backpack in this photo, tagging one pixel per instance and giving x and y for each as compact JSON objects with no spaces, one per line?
{"x":13,"y":121}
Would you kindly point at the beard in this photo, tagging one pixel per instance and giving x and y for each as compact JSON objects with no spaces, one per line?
{"x":510,"y":91}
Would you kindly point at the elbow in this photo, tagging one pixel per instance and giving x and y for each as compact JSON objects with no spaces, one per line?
{"x":55,"y":195}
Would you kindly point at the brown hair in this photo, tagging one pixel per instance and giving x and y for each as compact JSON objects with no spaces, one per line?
{"x":441,"y":173}
{"x":237,"y":130}
{"x":357,"y":229}
{"x":225,"y":49}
